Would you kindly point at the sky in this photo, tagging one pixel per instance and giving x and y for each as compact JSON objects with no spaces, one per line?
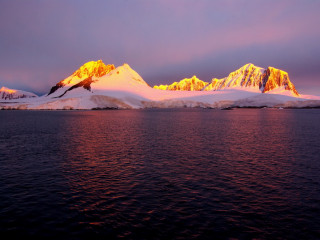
{"x":45,"y":41}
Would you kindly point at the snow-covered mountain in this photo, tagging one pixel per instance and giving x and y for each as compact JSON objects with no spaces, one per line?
{"x":248,"y":76}
{"x":95,"y":76}
{"x":9,"y":94}
{"x":255,"y":77}
{"x":97,"y":85}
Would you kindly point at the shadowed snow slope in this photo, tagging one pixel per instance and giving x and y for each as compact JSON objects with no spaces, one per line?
{"x":96,"y":85}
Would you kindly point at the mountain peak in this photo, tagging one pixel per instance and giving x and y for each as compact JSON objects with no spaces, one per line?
{"x":93,"y":69}
{"x":252,"y":76}
{"x":86,"y":71}
{"x":275,"y":78}
{"x":248,"y":65}
{"x":95,"y":75}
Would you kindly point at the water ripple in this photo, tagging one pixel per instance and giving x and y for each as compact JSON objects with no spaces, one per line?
{"x":160,"y":174}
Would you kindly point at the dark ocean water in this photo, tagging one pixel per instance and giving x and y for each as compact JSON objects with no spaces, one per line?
{"x":160,"y":174}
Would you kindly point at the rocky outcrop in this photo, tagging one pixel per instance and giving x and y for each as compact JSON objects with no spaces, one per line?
{"x":93,"y":69}
{"x":275,"y":78}
{"x":86,"y":84}
{"x":187,"y":84}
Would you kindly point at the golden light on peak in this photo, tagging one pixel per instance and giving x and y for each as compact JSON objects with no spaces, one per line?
{"x":7,"y":90}
{"x":89,"y":69}
{"x":186,"y":84}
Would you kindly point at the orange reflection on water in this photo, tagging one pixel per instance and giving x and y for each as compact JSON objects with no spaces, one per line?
{"x":101,"y":157}
{"x":128,"y":167}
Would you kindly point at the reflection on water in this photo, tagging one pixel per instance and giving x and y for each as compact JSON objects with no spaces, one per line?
{"x":161,"y":174}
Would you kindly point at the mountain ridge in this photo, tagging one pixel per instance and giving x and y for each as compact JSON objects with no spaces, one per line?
{"x":100,"y":86}
{"x":186,"y":84}
{"x":248,"y":76}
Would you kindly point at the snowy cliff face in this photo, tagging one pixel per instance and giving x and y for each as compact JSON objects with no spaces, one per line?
{"x":249,"y":77}
{"x":246,"y":76}
{"x":9,"y":94}
{"x":275,"y":78}
{"x":187,"y":84}
{"x":81,"y":78}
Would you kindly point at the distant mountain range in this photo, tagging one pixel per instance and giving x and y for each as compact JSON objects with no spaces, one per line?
{"x":96,"y":85}
{"x":248,"y":76}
